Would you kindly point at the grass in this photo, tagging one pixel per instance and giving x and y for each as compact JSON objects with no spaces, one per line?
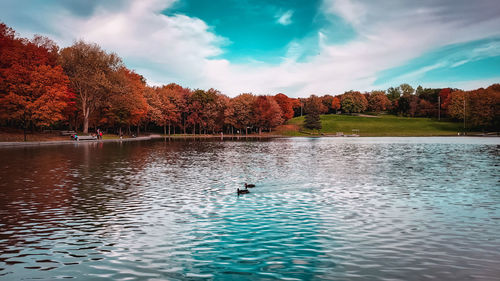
{"x":383,"y":125}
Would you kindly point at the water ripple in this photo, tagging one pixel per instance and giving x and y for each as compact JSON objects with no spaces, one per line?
{"x":323,"y":209}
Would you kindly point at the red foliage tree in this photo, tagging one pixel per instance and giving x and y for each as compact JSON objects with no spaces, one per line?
{"x":286,"y":105}
{"x":267,"y":113}
{"x":335,"y":104}
{"x":378,"y":101}
{"x":33,"y":88}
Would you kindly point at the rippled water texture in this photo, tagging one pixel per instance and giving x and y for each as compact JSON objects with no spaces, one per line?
{"x":327,"y":208}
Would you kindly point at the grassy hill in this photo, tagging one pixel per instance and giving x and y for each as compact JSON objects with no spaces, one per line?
{"x":383,"y":125}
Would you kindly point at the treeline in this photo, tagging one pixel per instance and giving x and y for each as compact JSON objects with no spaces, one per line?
{"x":480,"y":107}
{"x":83,"y":87}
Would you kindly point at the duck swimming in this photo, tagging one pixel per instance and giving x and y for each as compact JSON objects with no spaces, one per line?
{"x":242,"y":191}
{"x":249,"y":185}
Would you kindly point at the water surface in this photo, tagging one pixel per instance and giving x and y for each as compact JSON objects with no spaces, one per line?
{"x":323,"y":209}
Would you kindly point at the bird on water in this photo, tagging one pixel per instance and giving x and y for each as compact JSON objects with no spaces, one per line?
{"x":249,"y":185}
{"x":242,"y":191}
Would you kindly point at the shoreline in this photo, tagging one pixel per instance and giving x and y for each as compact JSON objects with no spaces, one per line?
{"x":237,"y":137}
{"x":154,"y":136}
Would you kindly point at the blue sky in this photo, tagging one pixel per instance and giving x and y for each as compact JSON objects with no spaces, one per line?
{"x":297,"y":47}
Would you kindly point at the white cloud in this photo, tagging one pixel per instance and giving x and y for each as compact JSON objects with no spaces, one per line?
{"x":285,"y":18}
{"x":181,"y":49}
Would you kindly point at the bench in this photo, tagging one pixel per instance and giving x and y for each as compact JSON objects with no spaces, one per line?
{"x":67,"y":133}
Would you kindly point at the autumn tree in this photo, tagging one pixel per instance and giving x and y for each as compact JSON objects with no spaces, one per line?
{"x":33,"y":88}
{"x":335,"y":104}
{"x":353,"y":101}
{"x":90,"y":71}
{"x":378,"y":101}
{"x":425,"y":108}
{"x":313,"y":110}
{"x":242,"y":110}
{"x":164,"y":111}
{"x":456,"y":105}
{"x":326,"y":101}
{"x":126,"y":104}
{"x":213,"y":112}
{"x":286,"y":105}
{"x":267,"y":113}
{"x":444,"y":95}
{"x":483,"y":107}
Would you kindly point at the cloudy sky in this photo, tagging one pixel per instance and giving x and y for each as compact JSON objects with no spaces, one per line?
{"x":297,"y":47}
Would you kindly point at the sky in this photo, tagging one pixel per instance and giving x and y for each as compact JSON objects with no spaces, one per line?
{"x":295,"y":47}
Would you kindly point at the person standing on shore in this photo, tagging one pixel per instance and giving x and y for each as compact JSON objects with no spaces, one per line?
{"x":100,"y":134}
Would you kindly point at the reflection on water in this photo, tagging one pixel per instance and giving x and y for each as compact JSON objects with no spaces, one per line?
{"x":364,"y":208}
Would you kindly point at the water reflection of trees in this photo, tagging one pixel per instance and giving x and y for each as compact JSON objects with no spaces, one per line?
{"x":60,"y":192}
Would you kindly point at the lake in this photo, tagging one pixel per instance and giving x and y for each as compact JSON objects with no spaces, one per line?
{"x":323,"y":209}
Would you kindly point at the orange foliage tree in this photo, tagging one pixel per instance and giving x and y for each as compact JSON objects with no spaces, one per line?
{"x":126,"y":105}
{"x":378,"y":101}
{"x":335,"y":104}
{"x":286,"y":105}
{"x":33,"y":88}
{"x":90,"y":70}
{"x":267,"y":113}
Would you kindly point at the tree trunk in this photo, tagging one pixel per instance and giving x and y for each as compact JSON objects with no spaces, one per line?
{"x":169,"y":128}
{"x":120,"y":131}
{"x":137,"y":130}
{"x":164,"y":129}
{"x":86,"y":113}
{"x":260,"y":130}
{"x":24,"y":129}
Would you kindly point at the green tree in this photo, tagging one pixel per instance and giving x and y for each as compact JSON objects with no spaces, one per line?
{"x":353,"y":102}
{"x":313,"y":109}
{"x":393,"y":94}
{"x":406,"y":89}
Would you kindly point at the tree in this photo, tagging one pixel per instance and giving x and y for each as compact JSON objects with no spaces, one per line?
{"x":298,"y":106}
{"x":89,"y":69}
{"x":407,"y":105}
{"x":425,"y":109}
{"x":335,"y":104}
{"x":286,"y":105}
{"x":393,"y":94}
{"x":266,"y":112}
{"x":480,"y":107}
{"x":378,"y":101}
{"x":313,"y":109}
{"x":406,"y":89}
{"x":455,"y":105}
{"x":483,"y":107}
{"x":444,"y":96}
{"x":353,"y":102}
{"x":126,"y":104}
{"x":33,"y":88}
{"x":326,"y":101}
{"x":243,"y":115}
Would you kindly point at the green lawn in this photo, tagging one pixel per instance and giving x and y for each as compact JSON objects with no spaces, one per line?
{"x":383,"y":125}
